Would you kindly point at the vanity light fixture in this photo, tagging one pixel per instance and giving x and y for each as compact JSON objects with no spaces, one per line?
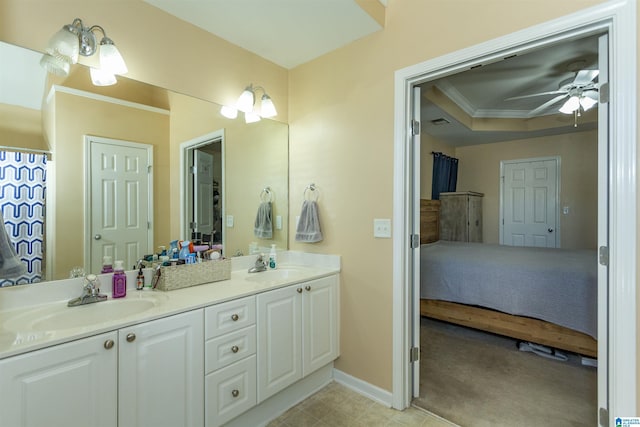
{"x":246,"y":103}
{"x":75,"y":39}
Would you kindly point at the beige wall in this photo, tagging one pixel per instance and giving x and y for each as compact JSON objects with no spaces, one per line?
{"x":21,"y":127}
{"x":479,"y":170}
{"x":341,"y":128}
{"x":76,"y":117}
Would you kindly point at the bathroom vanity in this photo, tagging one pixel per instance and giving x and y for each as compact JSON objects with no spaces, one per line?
{"x":239,"y":351}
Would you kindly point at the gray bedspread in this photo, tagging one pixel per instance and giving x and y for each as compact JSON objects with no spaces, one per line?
{"x":555,"y":285}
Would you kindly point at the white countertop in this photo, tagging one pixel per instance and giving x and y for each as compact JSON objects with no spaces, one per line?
{"x":24,"y":309}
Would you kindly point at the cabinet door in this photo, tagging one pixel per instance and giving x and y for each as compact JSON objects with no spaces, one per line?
{"x":65,"y":385}
{"x":161,"y":372}
{"x":279,"y":339}
{"x":319,"y":323}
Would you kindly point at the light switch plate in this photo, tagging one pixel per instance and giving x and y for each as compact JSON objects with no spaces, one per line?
{"x":382,"y":228}
{"x":229,"y":221}
{"x":279,"y":222}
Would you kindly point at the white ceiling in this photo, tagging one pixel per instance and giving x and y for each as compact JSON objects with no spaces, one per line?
{"x":26,"y":86}
{"x":286,"y":32}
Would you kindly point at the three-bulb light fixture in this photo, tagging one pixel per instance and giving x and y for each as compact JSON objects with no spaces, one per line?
{"x":579,"y":99}
{"x":75,"y":39}
{"x":246,"y":103}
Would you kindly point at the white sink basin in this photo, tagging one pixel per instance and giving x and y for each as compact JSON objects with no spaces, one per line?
{"x":58,"y":316}
{"x":278,"y":274}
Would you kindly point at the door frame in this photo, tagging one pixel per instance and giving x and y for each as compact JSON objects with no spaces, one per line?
{"x":558,"y":160}
{"x":618,"y":19}
{"x":185,"y":148}
{"x":88,"y":140}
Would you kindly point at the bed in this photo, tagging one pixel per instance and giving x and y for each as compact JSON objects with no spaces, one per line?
{"x":543,"y":295}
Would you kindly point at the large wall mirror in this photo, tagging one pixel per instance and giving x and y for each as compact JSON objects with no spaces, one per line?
{"x":74,"y":120}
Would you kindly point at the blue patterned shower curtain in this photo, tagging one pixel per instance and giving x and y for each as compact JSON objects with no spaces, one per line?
{"x":22,"y":199}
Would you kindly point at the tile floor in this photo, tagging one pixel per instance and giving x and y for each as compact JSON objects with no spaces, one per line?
{"x":336,"y":406}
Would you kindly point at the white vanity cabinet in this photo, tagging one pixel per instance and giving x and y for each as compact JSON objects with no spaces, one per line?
{"x":149,"y":374}
{"x":64,"y":385}
{"x":297,"y":332}
{"x":230,"y":360}
{"x":161,"y":371}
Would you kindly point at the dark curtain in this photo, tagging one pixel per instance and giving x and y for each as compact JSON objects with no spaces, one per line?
{"x":445,"y":175}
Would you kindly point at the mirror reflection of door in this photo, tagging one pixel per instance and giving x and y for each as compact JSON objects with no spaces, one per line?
{"x":120,"y":199}
{"x":205,"y":209}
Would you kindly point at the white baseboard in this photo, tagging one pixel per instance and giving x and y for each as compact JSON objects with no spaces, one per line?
{"x":364,"y":388}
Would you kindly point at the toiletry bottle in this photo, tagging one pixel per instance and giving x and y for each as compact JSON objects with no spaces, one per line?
{"x":184,"y":251}
{"x":272,"y":257}
{"x":119,"y":281}
{"x":106,"y":264}
{"x":140,"y":280}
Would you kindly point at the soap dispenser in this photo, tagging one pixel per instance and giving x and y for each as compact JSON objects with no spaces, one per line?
{"x":272,"y":257}
{"x":119,"y":281}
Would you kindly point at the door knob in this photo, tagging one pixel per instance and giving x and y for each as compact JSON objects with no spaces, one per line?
{"x":98,"y":236}
{"x":550,"y":230}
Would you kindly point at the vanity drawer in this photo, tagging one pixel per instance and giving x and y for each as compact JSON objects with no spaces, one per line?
{"x":230,"y":316}
{"x":230,"y":392}
{"x":227,"y":349}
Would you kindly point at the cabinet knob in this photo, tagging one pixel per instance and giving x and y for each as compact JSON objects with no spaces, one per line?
{"x":131,"y":337}
{"x":235,"y":317}
{"x":235,"y":349}
{"x":308,"y":287}
{"x":550,"y":230}
{"x":235,"y":393}
{"x":108,"y":344}
{"x":299,"y":290}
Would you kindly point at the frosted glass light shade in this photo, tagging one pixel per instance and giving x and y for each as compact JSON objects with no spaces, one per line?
{"x":246,"y":100}
{"x":65,"y":43}
{"x":587,"y":102}
{"x":571,"y":105}
{"x":110,"y":59}
{"x":57,"y":65}
{"x":251,"y":117}
{"x":267,"y":109}
{"x":229,"y":112}
{"x":100,"y":77}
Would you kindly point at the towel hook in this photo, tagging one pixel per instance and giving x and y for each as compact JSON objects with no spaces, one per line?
{"x":265,"y":194}
{"x":311,"y":188}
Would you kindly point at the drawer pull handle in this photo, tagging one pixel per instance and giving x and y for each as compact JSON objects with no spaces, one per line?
{"x":235,"y":349}
{"x":235,"y":317}
{"x":235,"y":393}
{"x":108,"y":344}
{"x":131,"y":337}
{"x":299,"y":290}
{"x":308,"y":287}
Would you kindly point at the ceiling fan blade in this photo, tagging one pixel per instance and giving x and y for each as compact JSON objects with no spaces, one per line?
{"x":554,"y":92}
{"x":585,"y":76}
{"x":547,"y":104}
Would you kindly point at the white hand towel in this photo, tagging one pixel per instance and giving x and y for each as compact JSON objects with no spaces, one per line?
{"x":263,"y":227}
{"x":308,"y":229}
{"x":10,"y":264}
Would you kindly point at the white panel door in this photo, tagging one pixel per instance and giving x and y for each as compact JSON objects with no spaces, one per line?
{"x":203,"y":187}
{"x":530,"y":192}
{"x":161,"y":372}
{"x":65,"y":385}
{"x":319,"y":324}
{"x":119,"y":203}
{"x":279,"y":339}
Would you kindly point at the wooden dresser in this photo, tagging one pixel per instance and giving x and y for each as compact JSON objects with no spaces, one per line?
{"x":461,"y":216}
{"x":429,"y":221}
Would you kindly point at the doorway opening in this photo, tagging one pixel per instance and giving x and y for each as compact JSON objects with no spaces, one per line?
{"x":618,"y":394}
{"x":202,"y":184}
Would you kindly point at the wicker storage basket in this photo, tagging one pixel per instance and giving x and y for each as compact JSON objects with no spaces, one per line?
{"x":185,"y":275}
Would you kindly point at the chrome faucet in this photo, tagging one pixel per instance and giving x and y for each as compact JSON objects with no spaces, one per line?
{"x":260,"y":265}
{"x":90,"y":292}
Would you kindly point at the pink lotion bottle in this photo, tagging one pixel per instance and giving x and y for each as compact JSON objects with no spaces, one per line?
{"x":119,"y":281}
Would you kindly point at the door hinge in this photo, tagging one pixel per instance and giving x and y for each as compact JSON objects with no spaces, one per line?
{"x":193,"y":170}
{"x":603,"y":92}
{"x":415,"y":241}
{"x":149,"y":169}
{"x":193,"y":225}
{"x":415,"y":127}
{"x":415,"y":354}
{"x":148,"y":225}
{"x":603,"y":255}
{"x":604,"y":417}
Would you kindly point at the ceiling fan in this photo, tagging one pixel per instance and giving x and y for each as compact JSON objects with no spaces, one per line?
{"x":579,"y":91}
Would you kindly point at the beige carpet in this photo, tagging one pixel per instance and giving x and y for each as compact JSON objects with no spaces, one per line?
{"x":477,"y":379}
